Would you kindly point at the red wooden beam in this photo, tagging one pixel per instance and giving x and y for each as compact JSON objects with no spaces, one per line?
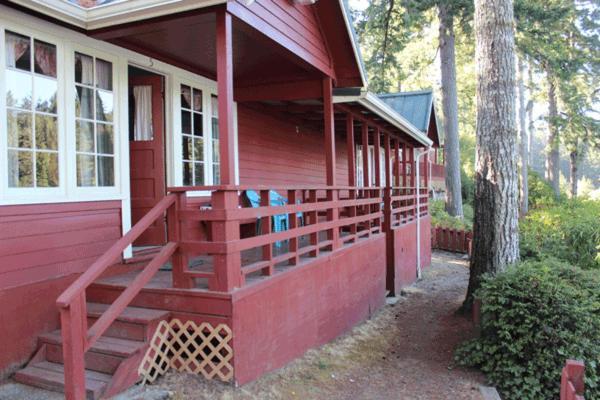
{"x":350,"y":149}
{"x":398,"y":165}
{"x":225,"y":94}
{"x":365,"y":151}
{"x":299,"y":90}
{"x":388,"y":155}
{"x":330,"y":163}
{"x":377,"y":145}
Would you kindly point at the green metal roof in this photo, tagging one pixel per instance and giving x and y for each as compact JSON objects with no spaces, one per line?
{"x":416,"y":106}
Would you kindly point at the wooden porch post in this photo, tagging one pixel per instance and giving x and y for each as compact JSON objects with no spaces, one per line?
{"x":377,"y":146}
{"x":365,"y":151}
{"x":387,"y":212}
{"x":398,"y":164}
{"x":330,"y":160}
{"x":350,"y":150}
{"x":405,"y":162}
{"x":227,"y":266}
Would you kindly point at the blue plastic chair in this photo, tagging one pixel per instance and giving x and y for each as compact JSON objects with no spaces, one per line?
{"x":281,"y":221}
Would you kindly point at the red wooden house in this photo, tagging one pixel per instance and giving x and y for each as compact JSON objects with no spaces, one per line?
{"x":135,"y":135}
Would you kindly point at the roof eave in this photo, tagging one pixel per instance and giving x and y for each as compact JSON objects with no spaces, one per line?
{"x":355,"y":49}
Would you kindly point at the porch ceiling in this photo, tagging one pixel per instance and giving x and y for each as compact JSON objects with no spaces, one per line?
{"x":187,"y":40}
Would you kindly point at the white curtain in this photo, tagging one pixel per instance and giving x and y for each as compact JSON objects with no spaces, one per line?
{"x":143,"y":113}
{"x":16,"y":46}
{"x":87,"y":70}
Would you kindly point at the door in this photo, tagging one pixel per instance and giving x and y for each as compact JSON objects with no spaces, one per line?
{"x":147,"y":154}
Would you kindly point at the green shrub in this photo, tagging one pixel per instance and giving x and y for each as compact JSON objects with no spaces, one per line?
{"x":568,"y":231}
{"x":439,"y":216}
{"x":535,"y":316}
{"x":541,"y":193}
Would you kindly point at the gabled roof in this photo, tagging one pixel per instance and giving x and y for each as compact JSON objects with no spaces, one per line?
{"x":417,"y":107}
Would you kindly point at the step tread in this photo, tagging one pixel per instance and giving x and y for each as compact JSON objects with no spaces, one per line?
{"x":105,"y":344}
{"x":136,"y":315}
{"x":50,"y":376}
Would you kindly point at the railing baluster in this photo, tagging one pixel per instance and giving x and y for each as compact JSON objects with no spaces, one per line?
{"x":180,"y":260}
{"x":293,"y":218}
{"x":265,"y":227}
{"x":314,"y":219}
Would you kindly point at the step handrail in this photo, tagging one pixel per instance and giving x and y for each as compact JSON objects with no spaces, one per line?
{"x":113,"y":254}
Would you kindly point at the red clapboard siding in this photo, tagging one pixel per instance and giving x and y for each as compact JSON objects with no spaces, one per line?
{"x":45,"y":241}
{"x":272,"y":153}
{"x":293,"y":26}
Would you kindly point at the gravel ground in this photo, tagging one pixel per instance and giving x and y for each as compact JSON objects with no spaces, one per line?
{"x":403,"y":352}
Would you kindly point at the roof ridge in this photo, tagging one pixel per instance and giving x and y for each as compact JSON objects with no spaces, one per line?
{"x":408,"y":93}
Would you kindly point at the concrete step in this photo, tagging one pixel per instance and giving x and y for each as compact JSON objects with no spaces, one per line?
{"x":51,"y":376}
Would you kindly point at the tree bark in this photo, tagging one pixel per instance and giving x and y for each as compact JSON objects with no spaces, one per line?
{"x":524,"y":193}
{"x":573,"y":161}
{"x":450,"y":107}
{"x":531,"y":123}
{"x":495,"y":233}
{"x":552,"y":155}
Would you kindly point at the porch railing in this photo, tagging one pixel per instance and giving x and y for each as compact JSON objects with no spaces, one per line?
{"x":319,"y":219}
{"x":77,"y":338}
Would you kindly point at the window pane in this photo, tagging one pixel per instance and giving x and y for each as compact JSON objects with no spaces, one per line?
{"x":103,"y":74}
{"x":187,"y":174}
{"x":186,"y":122}
{"x":46,"y":132}
{"x":45,"y":94}
{"x":216,"y":174}
{"x":20,"y":168}
{"x":84,"y":103}
{"x":18,"y":89}
{"x":198,"y":125}
{"x":85,"y":136}
{"x":84,"y":69}
{"x":46,"y":169}
{"x":198,"y":150}
{"x":197,"y":100}
{"x":18,"y":51}
{"x":214,"y":106}
{"x":106,"y":171}
{"x":187,"y":147}
{"x":104,"y":106}
{"x":45,"y":58}
{"x":215,"y":148}
{"x":215,"y":128}
{"x":86,"y":170}
{"x":186,"y":97}
{"x":106,"y":142}
{"x":198,"y":174}
{"x":19,"y":129}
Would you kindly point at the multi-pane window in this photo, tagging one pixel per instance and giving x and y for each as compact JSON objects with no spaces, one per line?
{"x":32,"y":112}
{"x":94,"y":122}
{"x":214,"y":103}
{"x":192,"y":136}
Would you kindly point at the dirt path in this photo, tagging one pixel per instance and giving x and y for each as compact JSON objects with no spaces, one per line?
{"x":404,"y":352}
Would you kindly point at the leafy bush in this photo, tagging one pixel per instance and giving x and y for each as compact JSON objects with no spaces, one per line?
{"x":439,"y":216}
{"x":541,"y":193}
{"x":568,"y":231}
{"x":535,"y":316}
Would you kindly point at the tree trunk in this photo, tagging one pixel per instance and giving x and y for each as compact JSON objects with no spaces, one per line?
{"x":524,"y":194}
{"x":450,"y":108}
{"x":552,"y":155}
{"x":531,"y":123}
{"x":495,"y":233}
{"x":573,"y":159}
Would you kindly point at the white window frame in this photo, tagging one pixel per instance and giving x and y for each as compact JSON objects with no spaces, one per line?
{"x":119,"y":105}
{"x":208,"y":89}
{"x":17,"y":195}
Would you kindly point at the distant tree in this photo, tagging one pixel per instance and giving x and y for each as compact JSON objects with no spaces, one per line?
{"x":524,"y":144}
{"x":495,"y":233}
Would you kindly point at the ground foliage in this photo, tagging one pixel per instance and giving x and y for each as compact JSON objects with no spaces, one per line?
{"x":534,"y":317}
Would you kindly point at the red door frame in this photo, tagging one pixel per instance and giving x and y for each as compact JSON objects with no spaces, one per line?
{"x":147,"y":165}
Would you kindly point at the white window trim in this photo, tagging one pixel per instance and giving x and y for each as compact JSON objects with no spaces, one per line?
{"x":69,"y":41}
{"x":35,"y":194}
{"x":208,"y":88}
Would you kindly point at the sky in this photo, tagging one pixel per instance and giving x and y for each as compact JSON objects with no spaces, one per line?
{"x":358,"y":4}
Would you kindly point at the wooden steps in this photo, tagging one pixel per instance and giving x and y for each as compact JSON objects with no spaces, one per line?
{"x":111,"y":363}
{"x":51,"y":376}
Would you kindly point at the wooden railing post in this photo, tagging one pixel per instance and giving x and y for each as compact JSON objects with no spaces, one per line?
{"x":265,"y":229}
{"x":293,"y":218}
{"x":175,"y":235}
{"x":227,"y":265}
{"x":74,"y":332}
